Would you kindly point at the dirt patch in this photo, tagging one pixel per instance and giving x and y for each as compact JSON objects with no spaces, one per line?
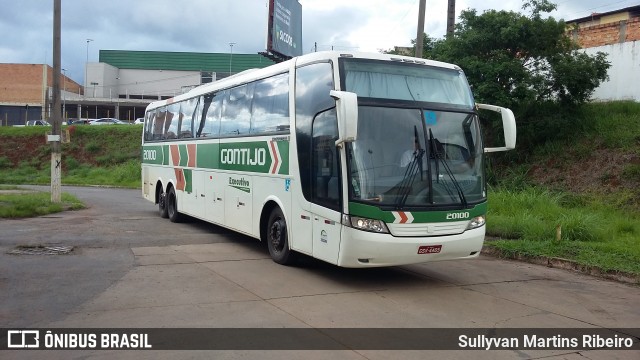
{"x":23,"y":148}
{"x":601,"y":172}
{"x":35,"y":150}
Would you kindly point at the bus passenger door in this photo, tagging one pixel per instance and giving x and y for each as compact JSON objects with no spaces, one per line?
{"x":214,"y":185}
{"x":325,"y":187}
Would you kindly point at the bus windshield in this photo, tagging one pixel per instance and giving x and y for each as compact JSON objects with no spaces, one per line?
{"x":409,"y":82}
{"x":407,"y":158}
{"x":419,"y":143}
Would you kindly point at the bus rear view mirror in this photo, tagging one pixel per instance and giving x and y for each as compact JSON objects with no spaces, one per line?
{"x":509,"y":125}
{"x":347,"y":111}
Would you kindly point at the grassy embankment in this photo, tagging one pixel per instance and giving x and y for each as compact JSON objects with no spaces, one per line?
{"x":97,"y":155}
{"x":586,"y":183}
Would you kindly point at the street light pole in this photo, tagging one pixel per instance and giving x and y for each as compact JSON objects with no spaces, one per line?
{"x":231,"y":57}
{"x":86,"y":69}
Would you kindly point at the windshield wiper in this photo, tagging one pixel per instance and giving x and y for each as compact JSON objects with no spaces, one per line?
{"x":434,"y":148}
{"x":406,"y":183}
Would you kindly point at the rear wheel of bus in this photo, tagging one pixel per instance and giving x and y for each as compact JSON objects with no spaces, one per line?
{"x":162,"y":204}
{"x":172,"y":206}
{"x":277,"y":238}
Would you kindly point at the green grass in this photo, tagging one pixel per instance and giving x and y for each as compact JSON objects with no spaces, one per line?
{"x":31,"y":204}
{"x":593,"y":232}
{"x":123,"y":175}
{"x":615,"y":124}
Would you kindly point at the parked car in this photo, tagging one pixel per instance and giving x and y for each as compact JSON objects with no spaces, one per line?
{"x":139,"y":121}
{"x":107,"y":121}
{"x":38,"y":123}
{"x":78,"y":121}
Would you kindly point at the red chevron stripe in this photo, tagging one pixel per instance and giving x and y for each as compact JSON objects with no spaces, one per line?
{"x":175,"y":155}
{"x":180,"y":181}
{"x":191,"y":150}
{"x":403,"y":217}
{"x":275,"y":156}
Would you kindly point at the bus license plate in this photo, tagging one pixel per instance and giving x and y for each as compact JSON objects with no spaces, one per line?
{"x":431,"y":249}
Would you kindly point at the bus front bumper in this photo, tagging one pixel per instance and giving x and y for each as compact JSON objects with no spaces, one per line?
{"x":365,"y":249}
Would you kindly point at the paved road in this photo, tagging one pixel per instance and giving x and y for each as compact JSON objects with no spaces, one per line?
{"x":133,"y":269}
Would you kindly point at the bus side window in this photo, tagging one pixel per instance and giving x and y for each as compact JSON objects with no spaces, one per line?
{"x":158,"y":124}
{"x":236,"y":113}
{"x":211,"y":109}
{"x":148,"y":125}
{"x":171,"y":122}
{"x":270,"y":111}
{"x":325,"y":167}
{"x":187,"y":114}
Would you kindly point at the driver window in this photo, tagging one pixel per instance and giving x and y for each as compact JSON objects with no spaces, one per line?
{"x":325,"y":162}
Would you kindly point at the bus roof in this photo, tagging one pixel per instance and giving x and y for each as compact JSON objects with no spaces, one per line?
{"x":257,"y":74}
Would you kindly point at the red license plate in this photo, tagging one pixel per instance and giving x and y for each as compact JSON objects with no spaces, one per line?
{"x":431,"y":249}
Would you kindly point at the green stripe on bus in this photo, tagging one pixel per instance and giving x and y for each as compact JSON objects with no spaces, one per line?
{"x":249,"y":156}
{"x":283,"y":146}
{"x":154,"y":154}
{"x":374,"y":212}
{"x":188,"y":179}
{"x":165,"y":156}
{"x":207,"y":156}
{"x":257,"y":156}
{"x":184,"y":155}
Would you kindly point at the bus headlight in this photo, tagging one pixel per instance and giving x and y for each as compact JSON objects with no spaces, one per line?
{"x":365,"y":224}
{"x":476,"y":222}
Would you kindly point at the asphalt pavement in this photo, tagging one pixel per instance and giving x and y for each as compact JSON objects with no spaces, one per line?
{"x":131,"y":269}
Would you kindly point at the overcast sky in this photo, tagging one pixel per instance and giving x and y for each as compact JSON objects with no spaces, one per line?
{"x":210,"y":25}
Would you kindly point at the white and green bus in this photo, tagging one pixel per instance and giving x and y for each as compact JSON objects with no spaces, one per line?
{"x":360,"y":160}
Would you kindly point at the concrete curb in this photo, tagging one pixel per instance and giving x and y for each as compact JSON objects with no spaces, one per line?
{"x":565,"y":264}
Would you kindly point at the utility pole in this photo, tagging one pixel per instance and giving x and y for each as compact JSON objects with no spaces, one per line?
{"x":451,"y":18}
{"x":420,"y":37}
{"x":56,"y":156}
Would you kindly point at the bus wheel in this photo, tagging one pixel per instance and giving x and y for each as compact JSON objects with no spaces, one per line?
{"x":277,"y":239}
{"x":172,"y":206}
{"x":162,"y":205}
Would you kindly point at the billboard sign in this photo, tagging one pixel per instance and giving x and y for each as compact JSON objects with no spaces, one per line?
{"x":285,"y":28}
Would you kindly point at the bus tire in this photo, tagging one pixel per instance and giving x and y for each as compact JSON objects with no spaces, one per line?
{"x":277,"y":238}
{"x":172,"y":206}
{"x":162,"y":204}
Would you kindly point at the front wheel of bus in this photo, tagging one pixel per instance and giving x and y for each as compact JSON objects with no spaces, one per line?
{"x":172,"y":206}
{"x":277,"y":239}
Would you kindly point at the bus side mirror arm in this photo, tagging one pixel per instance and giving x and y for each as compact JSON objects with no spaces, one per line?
{"x":509,"y":125}
{"x":347,"y":112}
